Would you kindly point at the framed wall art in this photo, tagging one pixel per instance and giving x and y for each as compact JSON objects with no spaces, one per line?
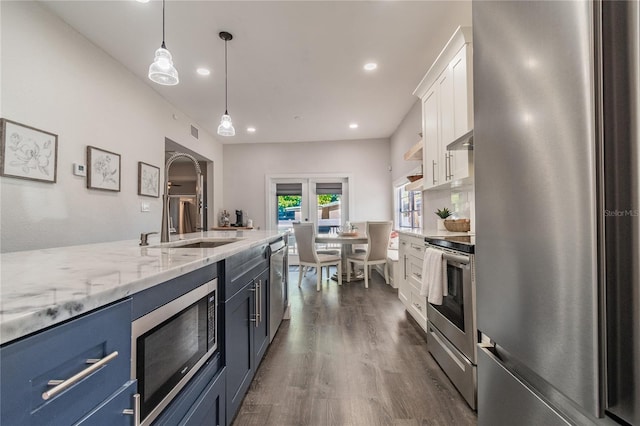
{"x":148,"y":180}
{"x":27,"y":152}
{"x":103,"y":169}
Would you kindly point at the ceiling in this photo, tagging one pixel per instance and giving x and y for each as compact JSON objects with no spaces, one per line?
{"x":295,"y":68}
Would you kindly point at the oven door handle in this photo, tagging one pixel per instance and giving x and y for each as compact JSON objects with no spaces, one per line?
{"x":456,"y":258}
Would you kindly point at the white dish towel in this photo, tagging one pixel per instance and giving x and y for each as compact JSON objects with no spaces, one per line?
{"x":434,"y":276}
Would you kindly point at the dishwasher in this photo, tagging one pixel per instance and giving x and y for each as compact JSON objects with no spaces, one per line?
{"x":278,"y":285}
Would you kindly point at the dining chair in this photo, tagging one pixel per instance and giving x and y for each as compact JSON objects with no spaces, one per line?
{"x":309,"y":257}
{"x":378,"y":242}
{"x":361,"y":228}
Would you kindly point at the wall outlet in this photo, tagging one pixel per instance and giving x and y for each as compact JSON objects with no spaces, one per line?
{"x":79,"y":169}
{"x":144,"y":207}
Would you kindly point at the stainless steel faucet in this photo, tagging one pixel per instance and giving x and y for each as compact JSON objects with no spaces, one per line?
{"x":164,"y":231}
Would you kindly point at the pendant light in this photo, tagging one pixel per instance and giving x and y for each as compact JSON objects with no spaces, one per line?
{"x":226,"y":126}
{"x":162,"y":70}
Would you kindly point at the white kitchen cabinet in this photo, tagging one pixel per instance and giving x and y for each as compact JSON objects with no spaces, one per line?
{"x":411,"y":255}
{"x":430,"y":139}
{"x":447,"y":111}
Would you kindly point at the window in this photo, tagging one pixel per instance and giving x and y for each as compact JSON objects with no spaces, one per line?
{"x":329,"y":202}
{"x":409,"y":208}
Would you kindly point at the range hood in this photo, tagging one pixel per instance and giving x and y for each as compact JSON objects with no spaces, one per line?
{"x":463,"y":143}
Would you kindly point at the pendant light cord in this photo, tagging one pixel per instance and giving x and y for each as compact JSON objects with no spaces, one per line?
{"x":226,"y":84}
{"x":163,"y":46}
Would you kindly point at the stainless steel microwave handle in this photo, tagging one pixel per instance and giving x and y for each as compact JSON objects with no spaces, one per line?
{"x":61,"y":385}
{"x":135,"y":411}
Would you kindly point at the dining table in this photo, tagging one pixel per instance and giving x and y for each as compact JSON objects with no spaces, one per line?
{"x":346,"y":240}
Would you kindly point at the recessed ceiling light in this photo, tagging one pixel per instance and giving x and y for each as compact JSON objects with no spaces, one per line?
{"x":353,"y":125}
{"x":142,"y":1}
{"x":251,"y":129}
{"x":370,"y":66}
{"x":203,"y":71}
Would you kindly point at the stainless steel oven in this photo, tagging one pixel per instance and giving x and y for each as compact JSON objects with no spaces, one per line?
{"x":452,"y":331}
{"x":170,"y":344}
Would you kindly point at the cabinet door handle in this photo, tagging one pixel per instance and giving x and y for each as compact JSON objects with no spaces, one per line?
{"x":433,"y":171}
{"x":259,"y":301}
{"x":64,"y":384}
{"x":450,"y":168}
{"x":135,"y":411}
{"x":419,"y":275}
{"x":255,"y":303}
{"x":405,"y":266}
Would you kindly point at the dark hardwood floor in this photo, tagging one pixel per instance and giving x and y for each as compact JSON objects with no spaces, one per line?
{"x":350,"y":356}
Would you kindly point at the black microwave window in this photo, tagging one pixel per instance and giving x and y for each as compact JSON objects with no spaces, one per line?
{"x":167,"y":352}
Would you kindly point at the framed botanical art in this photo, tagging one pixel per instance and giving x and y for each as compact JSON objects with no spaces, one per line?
{"x":103,"y":171}
{"x":148,"y":180}
{"x":27,"y":152}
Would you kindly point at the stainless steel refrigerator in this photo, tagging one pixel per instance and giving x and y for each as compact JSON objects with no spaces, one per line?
{"x":557,"y":207}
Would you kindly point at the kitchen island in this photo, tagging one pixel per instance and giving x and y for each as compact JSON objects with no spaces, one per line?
{"x":40,"y":288}
{"x":68,"y":354}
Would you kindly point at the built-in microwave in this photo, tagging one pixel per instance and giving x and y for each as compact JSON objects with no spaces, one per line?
{"x":170,"y":344}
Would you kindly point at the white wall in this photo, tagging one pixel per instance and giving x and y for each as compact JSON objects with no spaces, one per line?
{"x":405,"y":136}
{"x":246,"y":167}
{"x":56,"y":80}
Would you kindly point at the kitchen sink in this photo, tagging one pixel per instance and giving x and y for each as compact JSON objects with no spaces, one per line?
{"x":200,"y":243}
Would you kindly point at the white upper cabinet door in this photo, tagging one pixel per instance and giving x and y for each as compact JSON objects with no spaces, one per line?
{"x":461,"y":67}
{"x":446,"y":121}
{"x":430,"y":139}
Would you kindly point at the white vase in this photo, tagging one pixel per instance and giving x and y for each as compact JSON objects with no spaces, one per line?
{"x":440,"y":225}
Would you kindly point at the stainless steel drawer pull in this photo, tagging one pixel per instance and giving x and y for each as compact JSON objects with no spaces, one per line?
{"x":135,"y":411}
{"x":61,"y":385}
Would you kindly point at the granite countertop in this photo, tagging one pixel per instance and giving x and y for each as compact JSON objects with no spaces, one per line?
{"x":40,"y":288}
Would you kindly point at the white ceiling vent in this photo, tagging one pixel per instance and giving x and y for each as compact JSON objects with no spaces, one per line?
{"x":194,"y":131}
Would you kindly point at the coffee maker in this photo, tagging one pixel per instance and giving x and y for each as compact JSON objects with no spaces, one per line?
{"x":239,"y":219}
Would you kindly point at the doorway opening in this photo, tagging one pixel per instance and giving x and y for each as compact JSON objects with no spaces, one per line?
{"x":184,"y":211}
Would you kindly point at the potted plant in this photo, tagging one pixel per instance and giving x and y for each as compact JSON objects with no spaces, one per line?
{"x":442,"y":214}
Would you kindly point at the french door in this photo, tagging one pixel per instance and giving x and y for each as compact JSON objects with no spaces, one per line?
{"x":321,"y":200}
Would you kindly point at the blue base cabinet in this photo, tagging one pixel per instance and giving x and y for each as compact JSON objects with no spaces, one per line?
{"x":111,"y":412}
{"x":60,"y":352}
{"x":246,"y":322}
{"x":210,"y":408}
{"x":202,"y":401}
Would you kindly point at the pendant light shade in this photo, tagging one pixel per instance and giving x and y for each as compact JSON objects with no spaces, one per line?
{"x":162,"y":71}
{"x":226,"y":126}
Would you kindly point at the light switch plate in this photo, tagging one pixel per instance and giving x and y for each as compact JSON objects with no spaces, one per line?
{"x":144,"y":207}
{"x":79,"y":169}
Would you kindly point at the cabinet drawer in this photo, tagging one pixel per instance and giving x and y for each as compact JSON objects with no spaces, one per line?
{"x":414,"y":273}
{"x":111,"y":412}
{"x":418,"y":308}
{"x":416,"y":249}
{"x":58,"y":354}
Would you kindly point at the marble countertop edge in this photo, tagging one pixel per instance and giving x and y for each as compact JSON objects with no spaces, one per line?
{"x":41,"y":288}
